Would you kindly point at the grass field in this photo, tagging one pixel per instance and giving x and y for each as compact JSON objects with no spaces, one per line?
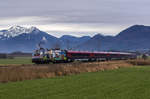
{"x":123,"y":83}
{"x":16,"y":60}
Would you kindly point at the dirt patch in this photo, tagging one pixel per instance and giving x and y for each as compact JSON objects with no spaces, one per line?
{"x":28,"y":72}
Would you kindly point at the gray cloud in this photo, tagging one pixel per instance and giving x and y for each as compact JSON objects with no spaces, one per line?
{"x":91,"y":15}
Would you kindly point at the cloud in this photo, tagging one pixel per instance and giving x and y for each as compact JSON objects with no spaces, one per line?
{"x":74,"y":16}
{"x":56,"y":27}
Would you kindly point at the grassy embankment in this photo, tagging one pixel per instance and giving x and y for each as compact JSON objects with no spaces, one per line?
{"x":28,"y":72}
{"x":20,"y":71}
{"x":123,"y":83}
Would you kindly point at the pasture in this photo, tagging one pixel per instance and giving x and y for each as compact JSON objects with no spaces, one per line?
{"x":122,"y":83}
{"x":16,"y":60}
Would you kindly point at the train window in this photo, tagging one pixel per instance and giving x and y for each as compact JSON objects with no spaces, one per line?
{"x":100,"y":55}
{"x":79,"y":54}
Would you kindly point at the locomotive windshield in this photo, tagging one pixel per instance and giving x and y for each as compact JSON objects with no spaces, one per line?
{"x":39,"y":52}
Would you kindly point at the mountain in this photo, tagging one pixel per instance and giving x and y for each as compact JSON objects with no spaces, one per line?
{"x":97,"y":42}
{"x":23,"y":39}
{"x":134,"y":32}
{"x":135,"y":37}
{"x":16,"y":31}
{"x":19,"y":38}
{"x":70,"y":42}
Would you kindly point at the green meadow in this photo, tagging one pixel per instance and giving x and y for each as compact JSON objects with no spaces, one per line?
{"x":16,"y":60}
{"x":123,"y":83}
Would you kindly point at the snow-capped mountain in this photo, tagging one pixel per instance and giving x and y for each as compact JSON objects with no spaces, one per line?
{"x":19,"y":38}
{"x":16,"y":31}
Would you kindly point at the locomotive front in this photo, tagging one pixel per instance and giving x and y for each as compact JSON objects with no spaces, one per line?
{"x":42,"y":56}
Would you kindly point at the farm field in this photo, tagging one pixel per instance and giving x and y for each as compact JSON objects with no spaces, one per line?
{"x":123,"y":83}
{"x":16,"y":60}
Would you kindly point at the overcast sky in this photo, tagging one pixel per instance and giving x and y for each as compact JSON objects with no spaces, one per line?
{"x":75,"y":17}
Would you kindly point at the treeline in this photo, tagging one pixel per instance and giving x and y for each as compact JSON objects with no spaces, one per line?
{"x":14,"y":54}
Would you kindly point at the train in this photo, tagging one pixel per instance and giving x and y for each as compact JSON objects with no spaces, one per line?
{"x":45,"y":56}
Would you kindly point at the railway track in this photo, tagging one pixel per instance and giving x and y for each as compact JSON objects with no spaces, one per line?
{"x":57,"y":64}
